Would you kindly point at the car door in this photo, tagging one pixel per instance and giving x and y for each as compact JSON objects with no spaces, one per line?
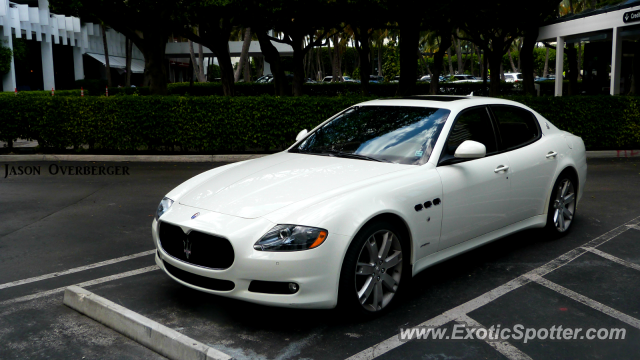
{"x":532,"y":158}
{"x":475,"y":192}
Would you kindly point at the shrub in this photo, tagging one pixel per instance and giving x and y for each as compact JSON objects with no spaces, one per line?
{"x":603,"y":122}
{"x":191,"y":123}
{"x":40,"y":93}
{"x":221,"y":124}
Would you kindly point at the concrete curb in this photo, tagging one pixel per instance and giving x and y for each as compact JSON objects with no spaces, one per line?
{"x":147,"y":332}
{"x":222,"y":158}
{"x":131,"y":158}
{"x":605,"y":154}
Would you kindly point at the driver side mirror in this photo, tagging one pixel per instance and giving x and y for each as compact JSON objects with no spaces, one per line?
{"x":301,"y":135}
{"x":470,"y":150}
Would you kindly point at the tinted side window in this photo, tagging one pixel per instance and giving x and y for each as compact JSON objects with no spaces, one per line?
{"x":517,"y":126}
{"x":473,"y":125}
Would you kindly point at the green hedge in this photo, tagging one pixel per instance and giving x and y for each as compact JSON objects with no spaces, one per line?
{"x":216,"y":124}
{"x":159,"y":123}
{"x":603,"y":122}
{"x":40,"y":93}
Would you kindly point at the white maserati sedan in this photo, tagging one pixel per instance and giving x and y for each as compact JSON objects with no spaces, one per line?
{"x":372,"y":196}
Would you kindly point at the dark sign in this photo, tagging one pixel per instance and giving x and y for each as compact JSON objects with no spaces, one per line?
{"x":631,"y":16}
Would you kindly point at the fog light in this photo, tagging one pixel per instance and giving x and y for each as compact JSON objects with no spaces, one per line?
{"x":293,"y":288}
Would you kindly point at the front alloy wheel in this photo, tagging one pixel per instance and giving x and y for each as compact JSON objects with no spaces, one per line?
{"x":378,"y":270}
{"x":564,"y":205}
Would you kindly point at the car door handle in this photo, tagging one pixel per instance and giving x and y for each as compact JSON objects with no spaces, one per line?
{"x":501,"y":168}
{"x":552,"y":154}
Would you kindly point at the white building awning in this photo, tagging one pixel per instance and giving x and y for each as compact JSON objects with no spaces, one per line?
{"x":117,"y":62}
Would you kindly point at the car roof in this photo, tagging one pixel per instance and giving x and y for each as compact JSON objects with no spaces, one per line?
{"x":453,"y":103}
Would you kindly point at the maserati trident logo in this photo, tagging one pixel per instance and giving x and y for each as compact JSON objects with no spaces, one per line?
{"x":187,"y":247}
{"x":195,"y":215}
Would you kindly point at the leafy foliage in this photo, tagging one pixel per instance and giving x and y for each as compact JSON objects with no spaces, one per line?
{"x":216,"y":123}
{"x":5,"y":59}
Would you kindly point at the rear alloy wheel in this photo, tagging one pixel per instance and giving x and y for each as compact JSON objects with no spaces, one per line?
{"x":378,"y":270}
{"x":562,"y":206}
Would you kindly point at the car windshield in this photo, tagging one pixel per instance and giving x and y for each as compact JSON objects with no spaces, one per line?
{"x":397,"y":134}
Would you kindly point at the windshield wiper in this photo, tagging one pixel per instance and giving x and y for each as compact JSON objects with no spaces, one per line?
{"x":352,"y":155}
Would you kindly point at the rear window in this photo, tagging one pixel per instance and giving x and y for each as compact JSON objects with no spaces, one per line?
{"x":517,"y":126}
{"x":520,"y":77}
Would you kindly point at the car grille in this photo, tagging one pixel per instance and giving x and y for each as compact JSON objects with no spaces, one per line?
{"x":196,"y":248}
{"x":199,"y":281}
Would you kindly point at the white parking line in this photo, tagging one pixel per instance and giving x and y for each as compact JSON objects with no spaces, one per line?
{"x":503,"y":347}
{"x":461,"y":310}
{"x":613,"y":258}
{"x":84,"y":284}
{"x":75,"y":270}
{"x":585,"y":300}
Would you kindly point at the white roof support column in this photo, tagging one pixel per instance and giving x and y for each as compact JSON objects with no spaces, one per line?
{"x":48,"y":73}
{"x":78,"y":65}
{"x":616,"y":61}
{"x":559,"y":64}
{"x":8,"y":79}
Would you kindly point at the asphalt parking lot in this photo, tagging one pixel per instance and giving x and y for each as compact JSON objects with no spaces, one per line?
{"x":50,"y":224}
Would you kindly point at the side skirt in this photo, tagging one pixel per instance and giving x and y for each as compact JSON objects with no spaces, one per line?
{"x":440,"y":256}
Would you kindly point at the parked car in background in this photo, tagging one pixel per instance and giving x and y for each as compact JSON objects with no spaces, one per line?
{"x":513,"y":77}
{"x":465,"y":79}
{"x":346,"y":79}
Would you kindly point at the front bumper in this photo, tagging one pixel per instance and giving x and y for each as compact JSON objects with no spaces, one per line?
{"x":316,"y":271}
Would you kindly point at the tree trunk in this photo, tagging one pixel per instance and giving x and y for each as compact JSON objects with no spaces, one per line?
{"x":525,"y":58}
{"x":220,"y":46}
{"x":473,"y":54}
{"x":298,"y":65}
{"x":495,"y":63}
{"x":155,"y":71}
{"x":438,"y":57}
{"x":129,"y":53}
{"x":579,"y":60}
{"x":521,"y":43}
{"x":362,"y":46}
{"x":247,"y":70}
{"x":409,"y":42}
{"x":480,"y":62}
{"x":272,"y":56}
{"x":201,"y":77}
{"x":380,"y":59}
{"x":191,"y":71}
{"x":192,"y":62}
{"x":451,"y":73}
{"x":244,"y":54}
{"x":459,"y":55}
{"x":513,"y":66}
{"x":106,"y":55}
{"x":545,"y":72}
{"x":485,"y":71}
{"x":572,"y":59}
{"x":336,"y":66}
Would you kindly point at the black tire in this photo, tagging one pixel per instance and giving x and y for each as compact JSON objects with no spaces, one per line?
{"x":556,"y":228}
{"x":348,"y":298}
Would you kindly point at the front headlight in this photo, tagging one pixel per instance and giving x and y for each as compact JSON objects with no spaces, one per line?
{"x":291,"y":238}
{"x":165,"y":204}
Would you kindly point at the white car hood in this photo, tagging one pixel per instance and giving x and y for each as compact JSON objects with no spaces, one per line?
{"x":258,"y":187}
